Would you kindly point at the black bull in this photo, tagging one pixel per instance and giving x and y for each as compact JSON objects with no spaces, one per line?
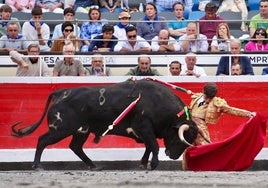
{"x":80,"y":111}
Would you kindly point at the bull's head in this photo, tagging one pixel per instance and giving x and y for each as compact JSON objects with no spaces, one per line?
{"x":180,"y":138}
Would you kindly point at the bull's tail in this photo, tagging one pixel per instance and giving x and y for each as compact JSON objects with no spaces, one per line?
{"x":19,"y":132}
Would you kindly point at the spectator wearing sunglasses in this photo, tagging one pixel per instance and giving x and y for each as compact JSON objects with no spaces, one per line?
{"x":133,"y":42}
{"x":258,"y":41}
{"x":67,"y":29}
{"x":68,"y":15}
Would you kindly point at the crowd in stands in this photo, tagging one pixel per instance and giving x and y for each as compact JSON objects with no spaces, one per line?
{"x":152,"y":33}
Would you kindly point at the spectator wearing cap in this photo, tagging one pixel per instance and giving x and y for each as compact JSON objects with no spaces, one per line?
{"x":164,"y":42}
{"x":36,"y":31}
{"x":6,"y":12}
{"x":104,"y":42}
{"x":67,"y":36}
{"x":120,"y":28}
{"x":68,"y":15}
{"x":208,"y":24}
{"x":133,"y":42}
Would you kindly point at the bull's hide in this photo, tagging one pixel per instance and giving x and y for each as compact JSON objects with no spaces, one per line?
{"x":80,"y":111}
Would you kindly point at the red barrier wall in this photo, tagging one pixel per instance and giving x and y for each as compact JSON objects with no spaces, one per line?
{"x":25,"y":102}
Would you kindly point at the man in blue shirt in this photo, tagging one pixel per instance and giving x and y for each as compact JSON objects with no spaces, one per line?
{"x":224,"y":65}
{"x":177,"y":27}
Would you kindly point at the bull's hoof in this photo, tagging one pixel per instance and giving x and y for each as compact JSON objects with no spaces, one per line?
{"x":94,"y":168}
{"x":37,"y":167}
{"x":153,"y":166}
{"x":97,"y":139}
{"x":143,"y":166}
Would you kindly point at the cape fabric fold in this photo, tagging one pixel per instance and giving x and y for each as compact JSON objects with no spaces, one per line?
{"x":235,"y":153}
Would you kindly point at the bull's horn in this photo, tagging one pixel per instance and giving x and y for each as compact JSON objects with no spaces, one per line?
{"x":181,"y":130}
{"x":201,"y":132}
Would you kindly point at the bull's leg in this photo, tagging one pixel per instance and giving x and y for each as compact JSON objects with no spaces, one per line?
{"x":147,"y":135}
{"x":76,"y":146}
{"x":145,"y":159}
{"x":51,"y":137}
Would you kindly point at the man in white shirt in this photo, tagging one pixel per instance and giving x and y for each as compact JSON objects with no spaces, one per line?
{"x":190,"y":68}
{"x":133,"y":42}
{"x":164,"y":42}
{"x":192,"y":41}
{"x":36,"y":31}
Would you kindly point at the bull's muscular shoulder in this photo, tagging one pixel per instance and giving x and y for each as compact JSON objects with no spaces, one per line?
{"x":219,"y":102}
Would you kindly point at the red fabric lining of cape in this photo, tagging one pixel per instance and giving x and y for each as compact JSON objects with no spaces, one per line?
{"x":235,"y":153}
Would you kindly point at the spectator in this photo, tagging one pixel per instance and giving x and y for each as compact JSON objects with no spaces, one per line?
{"x":191,"y":69}
{"x":206,"y":109}
{"x":13,"y":40}
{"x":98,"y":67}
{"x":151,"y":24}
{"x":120,"y":28}
{"x":236,"y":69}
{"x":91,"y":29}
{"x":224,"y":65}
{"x":30,"y":66}
{"x":69,"y":14}
{"x":68,"y":66}
{"x":36,"y":31}
{"x":192,"y":41}
{"x":177,"y":27}
{"x":258,"y":41}
{"x":235,"y":6}
{"x":164,"y":43}
{"x":84,"y":6}
{"x":265,"y":71}
{"x":208,"y":24}
{"x":67,"y":36}
{"x":110,"y":6}
{"x":55,"y":6}
{"x":133,"y":42}
{"x":105,"y":42}
{"x":175,"y":68}
{"x":221,"y":41}
{"x":6,"y":12}
{"x":143,"y":68}
{"x":21,"y":5}
{"x":259,"y":20}
{"x":167,"y":6}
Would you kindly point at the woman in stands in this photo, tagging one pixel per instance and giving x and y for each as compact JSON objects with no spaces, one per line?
{"x":67,"y":36}
{"x":221,"y":41}
{"x":91,"y":29}
{"x":258,"y":41}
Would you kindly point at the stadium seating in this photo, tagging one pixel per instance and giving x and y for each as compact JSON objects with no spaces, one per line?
{"x":253,"y":4}
{"x":252,"y":13}
{"x":195,"y":15}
